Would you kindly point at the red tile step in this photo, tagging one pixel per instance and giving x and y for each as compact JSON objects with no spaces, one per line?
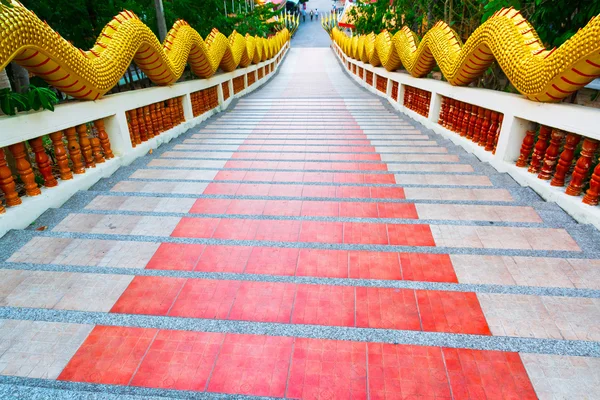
{"x":305,"y":231}
{"x":304,"y":149}
{"x":305,"y":166}
{"x":304,"y":262}
{"x":280,"y":302}
{"x":299,"y":208}
{"x":291,"y":367}
{"x":307,"y":156}
{"x":308,"y":177}
{"x":299,"y":190}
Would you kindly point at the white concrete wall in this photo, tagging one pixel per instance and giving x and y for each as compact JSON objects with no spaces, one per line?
{"x":25,"y":126}
{"x":518,"y":115}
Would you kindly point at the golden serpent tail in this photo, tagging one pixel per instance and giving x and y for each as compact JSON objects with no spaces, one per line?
{"x":31,"y":43}
{"x":506,"y":37}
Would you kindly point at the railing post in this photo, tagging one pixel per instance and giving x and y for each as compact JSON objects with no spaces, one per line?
{"x":388,"y":86}
{"x":435,"y":105}
{"x":118,"y":133}
{"x":220,"y":95}
{"x":512,"y":133}
{"x":186,"y":101}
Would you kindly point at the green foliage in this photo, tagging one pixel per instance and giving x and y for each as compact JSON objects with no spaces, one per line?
{"x":81,"y":21}
{"x":34,"y":99}
{"x":554,"y":20}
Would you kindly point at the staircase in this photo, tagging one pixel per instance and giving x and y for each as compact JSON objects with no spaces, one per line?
{"x":309,"y":243}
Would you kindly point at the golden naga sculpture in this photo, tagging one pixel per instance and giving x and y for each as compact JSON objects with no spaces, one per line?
{"x":31,"y":43}
{"x":506,"y":37}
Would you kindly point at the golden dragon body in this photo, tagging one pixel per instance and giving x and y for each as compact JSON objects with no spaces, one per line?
{"x":31,"y":43}
{"x":506,"y":38}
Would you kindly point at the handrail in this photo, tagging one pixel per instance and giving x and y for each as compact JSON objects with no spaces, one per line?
{"x":506,"y":37}
{"x":550,"y":147}
{"x":88,"y":75}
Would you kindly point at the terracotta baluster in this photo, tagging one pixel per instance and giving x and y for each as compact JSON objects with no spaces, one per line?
{"x":180,"y":108}
{"x":526,"y":147}
{"x":7,"y":183}
{"x":478,"y":124}
{"x":451,"y":114}
{"x":500,"y":120}
{"x":582,"y":167}
{"x":443,"y":110}
{"x":148,"y":121}
{"x":539,"y":150}
{"x":103,"y":137}
{"x":97,"y":150}
{"x":472,"y":122}
{"x":174,"y":113}
{"x":60,"y":154}
{"x":130,"y":129}
{"x":74,"y":150}
{"x":159,"y":116}
{"x":566,"y":160}
{"x":593,"y":193}
{"x":464,"y":123}
{"x":135,"y":126}
{"x":169,"y":122}
{"x":485,"y":125}
{"x":86,"y":146}
{"x":43,"y":162}
{"x":551,"y":156}
{"x":19,"y":152}
{"x":154,"y":119}
{"x":458,"y":116}
{"x":142,"y":124}
{"x":492,"y":131}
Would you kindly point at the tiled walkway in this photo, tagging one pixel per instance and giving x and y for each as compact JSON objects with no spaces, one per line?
{"x":308,"y":243}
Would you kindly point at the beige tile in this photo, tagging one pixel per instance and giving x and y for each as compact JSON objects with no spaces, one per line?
{"x":474,"y":212}
{"x":162,"y":162}
{"x":563,"y":377}
{"x":174,"y":174}
{"x":568,"y":318}
{"x":137,"y":203}
{"x":417,"y":193}
{"x":442,"y":179}
{"x":160,"y":187}
{"x":501,"y":237}
{"x":197,"y":154}
{"x":118,"y":224}
{"x":35,"y":349}
{"x":430,"y":167}
{"x":66,"y":290}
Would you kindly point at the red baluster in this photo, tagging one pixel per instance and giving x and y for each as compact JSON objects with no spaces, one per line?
{"x":74,"y":150}
{"x":566,"y":160}
{"x":60,"y":154}
{"x":551,"y":155}
{"x":485,"y":126}
{"x":582,"y":167}
{"x":526,"y":148}
{"x":491,"y":135}
{"x":18,"y":151}
{"x":7,"y":183}
{"x":43,"y":162}
{"x":472,"y":122}
{"x":104,"y":141}
{"x":539,"y":150}
{"x":591,"y":197}
{"x":86,"y":146}
{"x":497,"y":135}
{"x":478,"y":123}
{"x":464,"y":126}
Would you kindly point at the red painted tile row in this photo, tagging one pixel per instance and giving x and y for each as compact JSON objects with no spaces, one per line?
{"x":291,"y":190}
{"x":294,"y":367}
{"x":301,"y":142}
{"x":302,"y":149}
{"x":316,"y":177}
{"x":304,"y":262}
{"x":299,"y":208}
{"x":305,"y":231}
{"x":308,"y":156}
{"x":322,"y":166}
{"x":362,"y":307}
